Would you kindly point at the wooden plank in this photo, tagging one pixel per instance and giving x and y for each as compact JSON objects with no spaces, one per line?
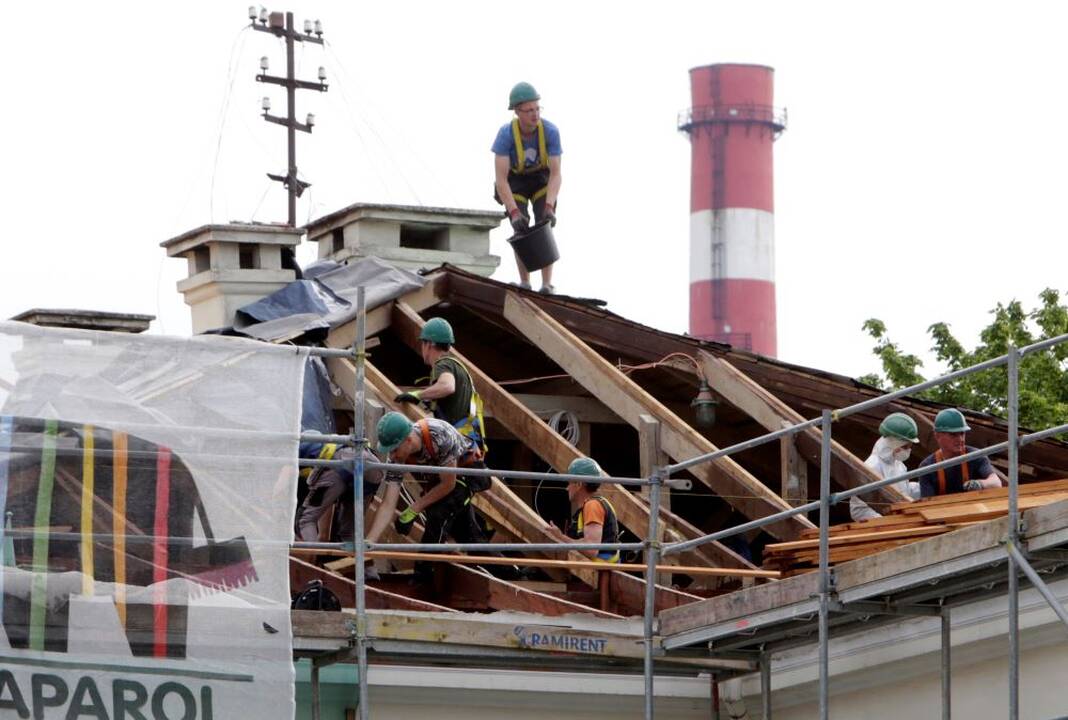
{"x":345,"y":589}
{"x":738,"y":604}
{"x":551,"y":447}
{"x":768,"y":410}
{"x":1035,"y":488}
{"x":853,"y":538}
{"x":349,"y":561}
{"x":627,"y":591}
{"x":629,"y":401}
{"x":487,"y":633}
{"x":921,"y":554}
{"x":500,"y":594}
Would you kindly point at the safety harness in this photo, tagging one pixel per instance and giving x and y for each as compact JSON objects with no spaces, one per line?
{"x":610,"y":533}
{"x":939,"y":457}
{"x":472,"y":457}
{"x":326,"y":452}
{"x":472,"y":425}
{"x":519,"y":168}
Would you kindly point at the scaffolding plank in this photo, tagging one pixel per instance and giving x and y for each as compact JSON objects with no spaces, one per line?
{"x":630,"y":401}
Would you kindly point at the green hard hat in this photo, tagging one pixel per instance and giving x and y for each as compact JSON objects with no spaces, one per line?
{"x":438,"y":330}
{"x":901,"y":426}
{"x":584,"y":466}
{"x":392,"y":429}
{"x":950,"y":420}
{"x":521,"y":93}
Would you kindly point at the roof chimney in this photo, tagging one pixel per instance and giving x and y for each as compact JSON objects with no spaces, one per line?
{"x":410,"y":237}
{"x":86,"y":320}
{"x":231,"y":266}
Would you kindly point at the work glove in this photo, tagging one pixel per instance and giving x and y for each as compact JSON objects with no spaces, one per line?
{"x":403,"y":523}
{"x":550,"y":214}
{"x":972,"y":485}
{"x":520,"y":222}
{"x":411,"y":396}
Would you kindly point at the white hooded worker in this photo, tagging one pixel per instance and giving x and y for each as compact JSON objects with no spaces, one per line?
{"x":898,"y":433}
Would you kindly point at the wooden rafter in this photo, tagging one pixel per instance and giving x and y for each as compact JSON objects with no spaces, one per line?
{"x":502,"y":506}
{"x":551,"y":447}
{"x":772,"y":413}
{"x":724,"y":476}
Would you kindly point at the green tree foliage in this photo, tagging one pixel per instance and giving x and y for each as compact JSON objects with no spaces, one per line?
{"x":1043,"y":375}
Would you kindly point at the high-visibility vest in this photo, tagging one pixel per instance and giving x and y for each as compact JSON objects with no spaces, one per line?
{"x":939,"y":457}
{"x":326,"y":452}
{"x":472,"y":426}
{"x":610,"y":533}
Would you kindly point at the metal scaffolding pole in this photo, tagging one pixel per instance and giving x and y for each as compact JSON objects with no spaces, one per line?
{"x":825,"y":580}
{"x":1014,"y":524}
{"x":1042,"y":588}
{"x":765,"y":685}
{"x":652,"y":556}
{"x":359,"y":345}
{"x":946,"y":647}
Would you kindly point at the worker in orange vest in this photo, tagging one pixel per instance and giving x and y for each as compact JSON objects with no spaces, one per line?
{"x":527,"y":170}
{"x":978,"y":474}
{"x":593,"y":519}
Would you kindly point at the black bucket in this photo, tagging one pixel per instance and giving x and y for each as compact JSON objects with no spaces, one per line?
{"x":536,"y":247}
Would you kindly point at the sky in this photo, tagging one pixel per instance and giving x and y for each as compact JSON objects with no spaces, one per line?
{"x":921,"y":177}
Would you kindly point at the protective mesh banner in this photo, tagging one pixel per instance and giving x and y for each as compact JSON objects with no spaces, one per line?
{"x":147,"y":488}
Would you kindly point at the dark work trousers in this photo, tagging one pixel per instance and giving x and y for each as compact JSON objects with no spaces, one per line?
{"x":453,"y":516}
{"x":327,"y":486}
{"x":527,"y":185}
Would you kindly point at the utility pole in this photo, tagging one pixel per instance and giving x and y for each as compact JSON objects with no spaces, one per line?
{"x":281,"y":25}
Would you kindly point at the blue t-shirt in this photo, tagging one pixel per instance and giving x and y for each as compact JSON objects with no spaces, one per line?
{"x":978,"y":469}
{"x":505,"y":144}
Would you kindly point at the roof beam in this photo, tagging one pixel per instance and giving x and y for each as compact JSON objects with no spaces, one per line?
{"x":724,"y":476}
{"x":551,"y":447}
{"x":772,"y":413}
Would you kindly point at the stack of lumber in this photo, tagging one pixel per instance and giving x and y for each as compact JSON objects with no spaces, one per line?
{"x":905,"y":523}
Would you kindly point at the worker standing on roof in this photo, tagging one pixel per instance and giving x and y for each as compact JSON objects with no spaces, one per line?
{"x":593,"y":519}
{"x":447,"y":501}
{"x":451,"y":395}
{"x":977,"y":474}
{"x":897,"y":434}
{"x":527,"y":170}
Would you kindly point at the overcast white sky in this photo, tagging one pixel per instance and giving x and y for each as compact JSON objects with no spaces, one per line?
{"x":921,"y":178}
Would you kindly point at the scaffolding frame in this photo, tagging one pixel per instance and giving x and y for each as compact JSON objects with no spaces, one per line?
{"x":827,"y":598}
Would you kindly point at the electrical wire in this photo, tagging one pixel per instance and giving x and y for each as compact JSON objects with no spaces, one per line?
{"x":569,"y":430}
{"x":344,"y":74}
{"x":231,"y":76}
{"x":626,"y":369}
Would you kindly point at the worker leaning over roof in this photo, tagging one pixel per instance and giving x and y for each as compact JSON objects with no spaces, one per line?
{"x":593,"y":519}
{"x":977,"y":474}
{"x":897,"y":434}
{"x":527,"y":170}
{"x":451,"y":395}
{"x":327,"y":485}
{"x":447,"y":501}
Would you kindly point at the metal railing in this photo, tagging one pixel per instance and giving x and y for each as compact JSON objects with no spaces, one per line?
{"x":661,"y":477}
{"x":733,"y":113}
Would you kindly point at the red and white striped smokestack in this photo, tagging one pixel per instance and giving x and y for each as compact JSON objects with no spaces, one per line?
{"x":732,"y":125}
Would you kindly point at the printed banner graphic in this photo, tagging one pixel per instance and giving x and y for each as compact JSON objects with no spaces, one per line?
{"x":147,"y":491}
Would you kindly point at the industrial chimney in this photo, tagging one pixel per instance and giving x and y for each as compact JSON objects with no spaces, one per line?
{"x":732,"y":125}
